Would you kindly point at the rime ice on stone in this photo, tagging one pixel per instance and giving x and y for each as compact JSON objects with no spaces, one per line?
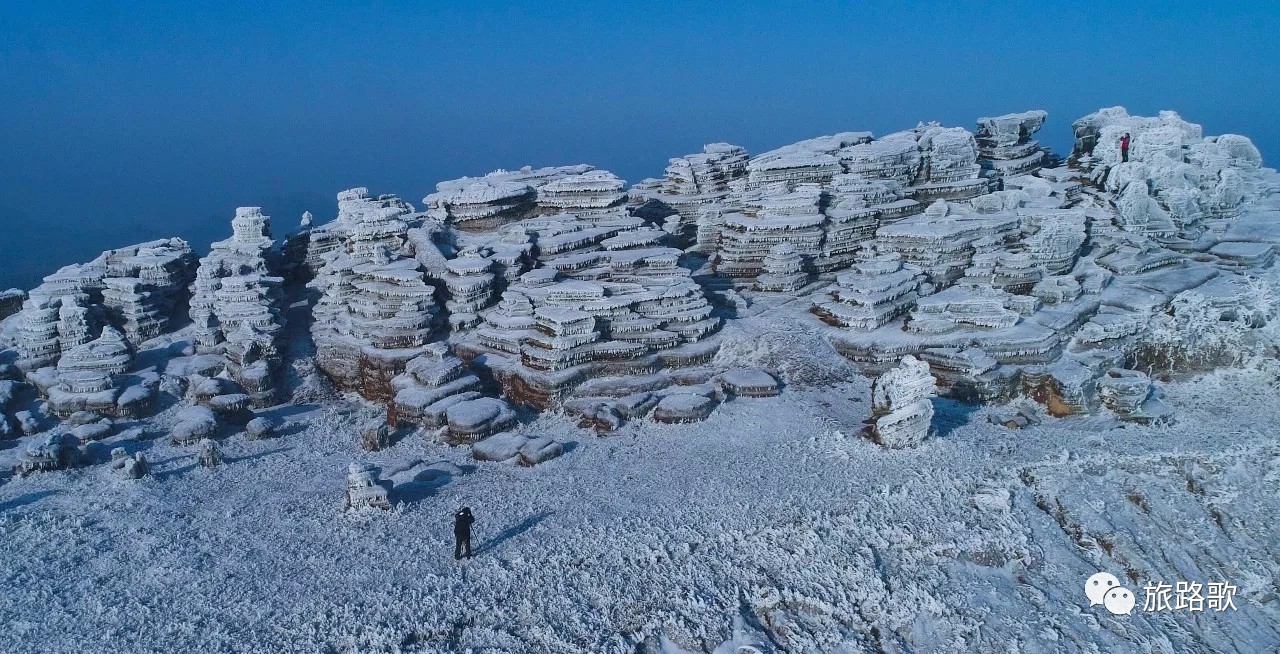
{"x":943,"y":240}
{"x":131,"y":466}
{"x":377,"y":311}
{"x":901,"y":406}
{"x":57,"y":451}
{"x":133,"y":288}
{"x":592,"y":193}
{"x":851,"y":220}
{"x":1130,"y":394}
{"x":813,"y":161}
{"x":469,"y":281}
{"x":1005,"y":144}
{"x":496,"y":199}
{"x":210,"y":455}
{"x":90,"y":377}
{"x":236,"y":304}
{"x":606,"y":297}
{"x":365,"y":489}
{"x":777,"y":218}
{"x":306,"y":250}
{"x":783,"y":270}
{"x":690,"y":184}
{"x":869,"y":295}
{"x":1176,"y":180}
{"x":430,"y":384}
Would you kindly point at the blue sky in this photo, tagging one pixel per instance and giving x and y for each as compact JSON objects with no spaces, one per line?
{"x":144,"y":120}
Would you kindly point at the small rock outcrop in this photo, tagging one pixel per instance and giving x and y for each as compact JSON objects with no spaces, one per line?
{"x":365,"y":489}
{"x":901,"y":409}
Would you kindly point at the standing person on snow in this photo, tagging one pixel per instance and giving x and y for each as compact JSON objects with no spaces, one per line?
{"x":1124,"y":147}
{"x":462,"y":531}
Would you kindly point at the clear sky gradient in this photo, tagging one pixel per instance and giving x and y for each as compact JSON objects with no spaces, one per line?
{"x":142,"y":120}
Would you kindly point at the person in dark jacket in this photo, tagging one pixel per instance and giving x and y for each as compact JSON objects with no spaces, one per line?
{"x":1124,"y":147}
{"x":462,"y":531}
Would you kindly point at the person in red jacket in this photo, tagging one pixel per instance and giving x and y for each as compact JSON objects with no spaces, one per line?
{"x":1124,"y":147}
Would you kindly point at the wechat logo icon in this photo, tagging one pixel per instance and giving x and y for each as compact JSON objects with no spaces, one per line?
{"x":1103,"y":588}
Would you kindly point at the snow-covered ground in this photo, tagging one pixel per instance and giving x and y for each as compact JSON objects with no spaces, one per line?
{"x":773,"y":519}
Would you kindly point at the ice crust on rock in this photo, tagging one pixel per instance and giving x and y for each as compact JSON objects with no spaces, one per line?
{"x":134,"y":289}
{"x":376,"y":310}
{"x":236,"y":304}
{"x":901,"y":405}
{"x":365,"y":489}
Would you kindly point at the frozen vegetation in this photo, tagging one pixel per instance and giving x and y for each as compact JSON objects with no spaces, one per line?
{"x":860,"y":393}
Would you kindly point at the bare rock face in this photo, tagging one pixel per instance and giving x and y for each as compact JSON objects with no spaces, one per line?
{"x":11,"y":302}
{"x":900,"y":404}
{"x":236,"y":304}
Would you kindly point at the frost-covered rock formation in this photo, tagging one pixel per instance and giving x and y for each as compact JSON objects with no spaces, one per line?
{"x":376,"y":311}
{"x":690,"y":184}
{"x":305,"y":251}
{"x":1005,"y":144}
{"x":976,"y":253}
{"x":236,"y":304}
{"x":783,"y":270}
{"x":365,"y":489}
{"x":92,"y":377}
{"x":487,"y":203}
{"x":134,"y":289}
{"x":900,"y":404}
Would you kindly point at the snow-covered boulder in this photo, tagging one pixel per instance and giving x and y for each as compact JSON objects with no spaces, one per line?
{"x":260,"y":428}
{"x":509,"y":447}
{"x":504,"y":446}
{"x":94,"y":431}
{"x":195,"y":423}
{"x":365,"y":489}
{"x":477,"y":419}
{"x":57,"y":451}
{"x":684,"y":407}
{"x":538,"y":450}
{"x":749,"y":382}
